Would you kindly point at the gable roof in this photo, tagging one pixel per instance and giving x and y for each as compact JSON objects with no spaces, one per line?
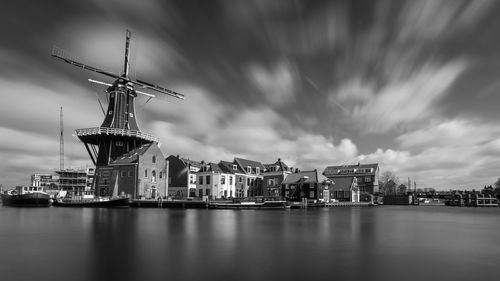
{"x":282,"y":166}
{"x":133,"y":155}
{"x":227,"y":167}
{"x":212,"y":167}
{"x":344,"y":183}
{"x":312,"y":177}
{"x":191,"y":162}
{"x":243,"y":163}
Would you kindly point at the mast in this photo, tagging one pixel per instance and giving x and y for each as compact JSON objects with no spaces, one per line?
{"x":61,"y":142}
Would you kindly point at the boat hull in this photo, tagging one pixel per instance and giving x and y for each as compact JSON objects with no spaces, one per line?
{"x":262,"y":205}
{"x":26,"y":200}
{"x":93,"y":203}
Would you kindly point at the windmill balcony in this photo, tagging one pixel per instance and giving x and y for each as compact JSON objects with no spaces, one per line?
{"x":89,"y":133}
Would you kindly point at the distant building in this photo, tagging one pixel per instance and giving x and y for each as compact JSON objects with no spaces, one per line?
{"x":367,"y":177}
{"x":45,"y":180}
{"x":248,"y":177}
{"x":182,"y":177}
{"x":301,"y":185}
{"x":216,"y":181}
{"x":273,"y":176}
{"x":346,"y":189}
{"x":76,"y":182}
{"x":139,"y":173}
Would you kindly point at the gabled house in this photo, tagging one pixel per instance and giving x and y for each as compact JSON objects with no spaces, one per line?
{"x":140,"y":173}
{"x":182,"y":177}
{"x":346,"y":189}
{"x":367,"y":176}
{"x":215,"y":181}
{"x":273,"y":176}
{"x":300,"y":185}
{"x":248,"y":177}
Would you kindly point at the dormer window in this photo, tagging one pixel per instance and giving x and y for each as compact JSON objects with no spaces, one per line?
{"x":277,"y":168}
{"x":235,"y":167}
{"x":249,"y":169}
{"x":257,"y":170}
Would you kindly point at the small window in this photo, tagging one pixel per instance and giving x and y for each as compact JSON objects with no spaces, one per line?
{"x":223,"y":180}
{"x":119,"y":143}
{"x":131,"y":115}
{"x":249,"y":169}
{"x":235,"y":167}
{"x":201,"y":180}
{"x":161,"y":175}
{"x":230,"y":180}
{"x":154,"y":159}
{"x":124,"y":174}
{"x":130,"y":174}
{"x":146,"y":173}
{"x":257,"y":170}
{"x":208,"y":179}
{"x":110,"y":112}
{"x":368,"y":179}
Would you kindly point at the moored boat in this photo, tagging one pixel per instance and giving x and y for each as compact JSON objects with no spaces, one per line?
{"x":26,"y":196}
{"x":93,"y":203}
{"x":249,"y":205}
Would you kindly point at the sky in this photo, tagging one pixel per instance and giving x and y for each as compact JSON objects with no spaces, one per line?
{"x":411,"y":85}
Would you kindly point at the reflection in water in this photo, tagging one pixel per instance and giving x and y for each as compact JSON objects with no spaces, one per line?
{"x":382,"y":243}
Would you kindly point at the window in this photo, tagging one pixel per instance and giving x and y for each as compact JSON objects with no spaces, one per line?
{"x":208,"y":179}
{"x":257,"y":170}
{"x":368,"y":179}
{"x":223,"y":180}
{"x":154,"y":159}
{"x":146,"y":173}
{"x":311,"y":194}
{"x":248,"y":181}
{"x":207,"y":191}
{"x":200,"y":193}
{"x":130,"y":174}
{"x":124,"y":174}
{"x":153,"y":176}
{"x":249,"y":169}
{"x":241,"y":180}
{"x":230,"y":180}
{"x":201,"y":179}
{"x":161,"y":175}
{"x":235,"y":167}
{"x":119,"y":143}
{"x":110,"y":112}
{"x":131,"y":115}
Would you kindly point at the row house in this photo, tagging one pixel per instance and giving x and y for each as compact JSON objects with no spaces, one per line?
{"x":215,"y":181}
{"x":300,"y":185}
{"x":365,"y":176}
{"x":249,"y":175}
{"x":182,"y":177}
{"x":273,"y":176}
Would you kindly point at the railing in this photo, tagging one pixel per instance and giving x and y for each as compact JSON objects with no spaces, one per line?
{"x":115,"y":132}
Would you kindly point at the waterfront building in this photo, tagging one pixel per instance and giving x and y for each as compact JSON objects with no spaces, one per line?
{"x":273,"y":176}
{"x":45,"y":180}
{"x":76,"y":182}
{"x":216,"y":181}
{"x":346,"y":189}
{"x":300,"y":185}
{"x":367,"y":177}
{"x":248,"y":177}
{"x":182,"y":177}
{"x":139,"y":173}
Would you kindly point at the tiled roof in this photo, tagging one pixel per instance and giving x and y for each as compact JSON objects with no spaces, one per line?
{"x":227,"y":167}
{"x":243,"y":163}
{"x":282,"y":166}
{"x":191,"y":162}
{"x":133,"y":155}
{"x":343,"y":183}
{"x":296,"y":177}
{"x":333,"y":170}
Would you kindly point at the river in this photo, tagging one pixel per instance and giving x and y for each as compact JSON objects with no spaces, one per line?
{"x":343,"y":243}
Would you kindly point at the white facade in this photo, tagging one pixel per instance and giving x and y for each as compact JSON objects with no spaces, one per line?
{"x":215,"y":185}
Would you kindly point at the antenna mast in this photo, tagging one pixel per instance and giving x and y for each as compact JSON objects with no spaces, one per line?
{"x":61,"y":142}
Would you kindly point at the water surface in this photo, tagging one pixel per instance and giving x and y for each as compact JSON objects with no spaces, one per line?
{"x":354,"y":243}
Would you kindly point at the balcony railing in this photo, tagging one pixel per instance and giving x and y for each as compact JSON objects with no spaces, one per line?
{"x":115,"y":132}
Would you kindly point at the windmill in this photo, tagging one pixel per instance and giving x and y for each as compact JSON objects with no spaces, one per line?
{"x":119,"y":132}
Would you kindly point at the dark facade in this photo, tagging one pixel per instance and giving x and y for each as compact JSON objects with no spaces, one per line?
{"x":182,"y":177}
{"x":367,"y":176}
{"x":301,"y":185}
{"x":141,"y":173}
{"x":273,"y":176}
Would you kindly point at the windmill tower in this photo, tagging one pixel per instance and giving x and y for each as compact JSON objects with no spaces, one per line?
{"x":119,"y":132}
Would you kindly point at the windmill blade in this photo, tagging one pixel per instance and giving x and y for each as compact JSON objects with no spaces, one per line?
{"x":59,"y":53}
{"x":157,"y":88}
{"x":99,"y":82}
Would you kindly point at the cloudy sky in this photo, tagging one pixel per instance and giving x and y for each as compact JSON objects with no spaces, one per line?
{"x":412,"y":85}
